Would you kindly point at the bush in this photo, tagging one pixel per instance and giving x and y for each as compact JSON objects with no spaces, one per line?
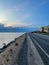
{"x":16,"y":44}
{"x":7,"y":59}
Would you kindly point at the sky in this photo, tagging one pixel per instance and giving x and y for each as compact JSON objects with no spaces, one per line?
{"x":24,"y":13}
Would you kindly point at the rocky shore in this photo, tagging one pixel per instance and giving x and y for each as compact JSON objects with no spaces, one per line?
{"x":10,"y":54}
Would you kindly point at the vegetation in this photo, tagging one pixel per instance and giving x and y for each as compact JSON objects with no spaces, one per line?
{"x":4,"y":46}
{"x":46,"y":33}
{"x":7,"y":59}
{"x":16,"y":44}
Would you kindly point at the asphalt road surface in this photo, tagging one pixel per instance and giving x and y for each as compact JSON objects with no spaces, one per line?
{"x":41,"y":42}
{"x":28,"y":54}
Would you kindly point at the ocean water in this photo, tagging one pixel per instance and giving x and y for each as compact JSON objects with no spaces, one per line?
{"x":8,"y":37}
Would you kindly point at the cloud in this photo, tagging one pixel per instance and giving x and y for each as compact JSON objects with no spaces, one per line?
{"x":1,"y":25}
{"x":14,"y":9}
{"x":27,"y":15}
{"x":2,"y":20}
{"x":17,"y":8}
{"x":9,"y":23}
{"x":16,"y":23}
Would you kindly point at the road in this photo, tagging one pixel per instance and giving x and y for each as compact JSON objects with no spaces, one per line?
{"x":28,"y":54}
{"x":41,"y":43}
{"x":32,"y":49}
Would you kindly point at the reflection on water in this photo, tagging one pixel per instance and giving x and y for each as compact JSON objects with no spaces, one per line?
{"x":7,"y":37}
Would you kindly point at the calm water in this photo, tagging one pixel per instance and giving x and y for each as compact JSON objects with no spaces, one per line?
{"x":7,"y":37}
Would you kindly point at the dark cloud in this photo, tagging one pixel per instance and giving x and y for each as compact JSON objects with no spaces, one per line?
{"x":15,"y":29}
{"x":1,"y":25}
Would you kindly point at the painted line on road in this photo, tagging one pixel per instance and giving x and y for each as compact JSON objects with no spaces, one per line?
{"x":41,"y":48}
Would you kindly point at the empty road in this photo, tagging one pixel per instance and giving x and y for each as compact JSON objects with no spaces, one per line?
{"x":41,"y":42}
{"x":28,"y":54}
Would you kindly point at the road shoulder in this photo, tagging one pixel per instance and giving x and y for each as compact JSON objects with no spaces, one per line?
{"x":33,"y":55}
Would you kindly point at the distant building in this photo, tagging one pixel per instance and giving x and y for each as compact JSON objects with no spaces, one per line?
{"x":42,"y":29}
{"x":45,"y":29}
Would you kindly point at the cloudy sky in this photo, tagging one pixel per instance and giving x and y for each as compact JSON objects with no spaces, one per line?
{"x":28,"y":13}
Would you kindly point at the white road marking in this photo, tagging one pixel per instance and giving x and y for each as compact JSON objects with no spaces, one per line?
{"x":41,"y":48}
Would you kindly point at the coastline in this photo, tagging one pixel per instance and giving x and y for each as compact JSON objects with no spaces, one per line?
{"x":19,"y":51}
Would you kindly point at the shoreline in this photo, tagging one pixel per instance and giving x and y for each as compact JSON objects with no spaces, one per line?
{"x":11,"y":42}
{"x":20,"y":48}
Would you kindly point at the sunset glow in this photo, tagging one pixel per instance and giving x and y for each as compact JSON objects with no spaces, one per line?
{"x":24,"y":13}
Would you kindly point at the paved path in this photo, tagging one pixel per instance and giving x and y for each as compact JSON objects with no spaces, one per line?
{"x":23,"y":54}
{"x":28,"y":54}
{"x":41,"y":42}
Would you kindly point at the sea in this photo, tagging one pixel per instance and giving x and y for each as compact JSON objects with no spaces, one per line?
{"x":8,"y":37}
